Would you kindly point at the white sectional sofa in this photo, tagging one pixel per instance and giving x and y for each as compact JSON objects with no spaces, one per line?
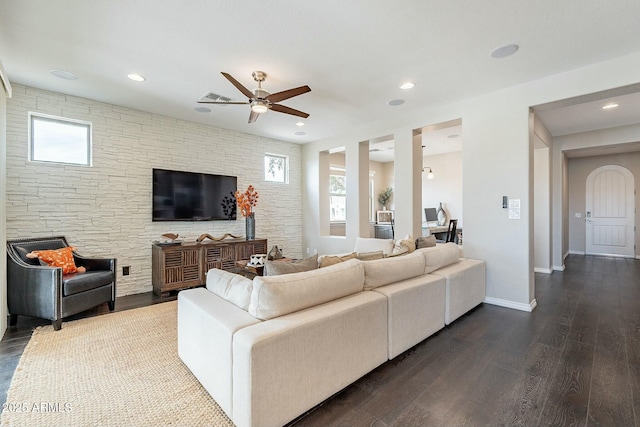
{"x":270,"y":349}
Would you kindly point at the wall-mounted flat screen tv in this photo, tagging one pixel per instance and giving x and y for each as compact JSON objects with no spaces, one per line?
{"x":190,"y":196}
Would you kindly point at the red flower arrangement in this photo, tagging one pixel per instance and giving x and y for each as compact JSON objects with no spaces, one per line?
{"x":247,"y":200}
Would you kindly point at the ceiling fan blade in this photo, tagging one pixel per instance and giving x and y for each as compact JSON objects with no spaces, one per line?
{"x":211,"y":101}
{"x":253,"y":116}
{"x":288,"y":110}
{"x":237,"y":84}
{"x":286,"y":94}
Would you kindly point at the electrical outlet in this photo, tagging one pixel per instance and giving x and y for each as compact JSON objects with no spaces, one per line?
{"x":126,"y":270}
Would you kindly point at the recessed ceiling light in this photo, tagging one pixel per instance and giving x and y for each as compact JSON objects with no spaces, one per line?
{"x":504,"y":51}
{"x":300,"y":124}
{"x":136,"y":77}
{"x":610,"y":105}
{"x":406,"y":85}
{"x":455,"y":135}
{"x":395,"y":102}
{"x":64,"y":74}
{"x":203,"y":109}
{"x":299,"y":133}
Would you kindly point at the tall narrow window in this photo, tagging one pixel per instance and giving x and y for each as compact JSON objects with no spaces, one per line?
{"x":59,"y":140}
{"x":338,"y":197}
{"x":276,"y":168}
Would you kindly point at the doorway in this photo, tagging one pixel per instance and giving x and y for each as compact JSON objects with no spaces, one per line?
{"x":610,"y":205}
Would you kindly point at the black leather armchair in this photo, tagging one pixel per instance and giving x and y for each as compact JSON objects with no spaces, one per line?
{"x":43,"y":291}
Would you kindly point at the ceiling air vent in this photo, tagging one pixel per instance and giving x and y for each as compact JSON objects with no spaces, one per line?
{"x":210,"y":96}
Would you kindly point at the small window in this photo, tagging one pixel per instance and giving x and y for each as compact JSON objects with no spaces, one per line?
{"x":59,"y":140}
{"x":338,"y":198}
{"x":276,"y":168}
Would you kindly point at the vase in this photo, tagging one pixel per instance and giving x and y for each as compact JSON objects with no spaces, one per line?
{"x":250,"y":226}
{"x":442,"y":215}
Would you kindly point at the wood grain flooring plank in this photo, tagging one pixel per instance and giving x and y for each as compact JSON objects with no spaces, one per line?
{"x":525,"y":400}
{"x":634,"y":379}
{"x":568,"y":399}
{"x":454,"y":381}
{"x":610,"y":403}
{"x":585,"y":324}
{"x":482,"y":402}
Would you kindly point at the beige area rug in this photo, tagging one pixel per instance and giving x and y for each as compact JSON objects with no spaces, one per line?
{"x":119,"y":369}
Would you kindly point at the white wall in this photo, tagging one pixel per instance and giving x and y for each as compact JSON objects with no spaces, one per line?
{"x":542,"y":141}
{"x":542,"y":210}
{"x":446,"y":185}
{"x":105,"y":210}
{"x":579,"y":169}
{"x":497,"y":159}
{"x":5,"y":91}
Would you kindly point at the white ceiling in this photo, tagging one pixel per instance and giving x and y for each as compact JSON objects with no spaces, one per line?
{"x":353,"y":54}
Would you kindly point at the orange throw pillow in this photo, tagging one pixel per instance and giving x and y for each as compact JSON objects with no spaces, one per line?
{"x":62,"y":258}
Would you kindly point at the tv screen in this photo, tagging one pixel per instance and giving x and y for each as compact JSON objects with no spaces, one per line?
{"x":189,"y":196}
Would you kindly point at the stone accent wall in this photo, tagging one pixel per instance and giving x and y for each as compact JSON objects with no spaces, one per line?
{"x":105,"y":210}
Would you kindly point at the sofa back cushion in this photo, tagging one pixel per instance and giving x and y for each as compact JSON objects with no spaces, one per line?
{"x":232,"y":287}
{"x":275,"y":268}
{"x":275,"y":296}
{"x":390,"y":270}
{"x":440,"y":256}
{"x":327,"y":260}
{"x":365,"y":244}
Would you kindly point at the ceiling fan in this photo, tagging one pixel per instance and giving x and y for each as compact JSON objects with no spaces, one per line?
{"x":260,"y":100}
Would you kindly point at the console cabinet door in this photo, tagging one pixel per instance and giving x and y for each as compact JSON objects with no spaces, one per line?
{"x":176,"y":268}
{"x":219,"y":256}
{"x":246,"y":249}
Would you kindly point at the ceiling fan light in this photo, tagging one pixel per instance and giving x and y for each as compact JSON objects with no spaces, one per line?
{"x":259,"y":107}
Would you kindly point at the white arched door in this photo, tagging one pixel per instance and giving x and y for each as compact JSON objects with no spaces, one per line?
{"x":610,"y":212}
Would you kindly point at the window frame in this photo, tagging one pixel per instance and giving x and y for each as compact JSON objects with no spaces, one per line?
{"x":286,"y":168}
{"x":342,"y":195}
{"x":33,"y":116}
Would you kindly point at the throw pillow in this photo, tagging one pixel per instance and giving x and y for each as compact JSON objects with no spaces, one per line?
{"x":62,"y":258}
{"x":275,"y":268}
{"x":402,"y":249}
{"x":328,"y":260}
{"x":406,"y":245}
{"x":370,"y":256}
{"x":425,"y":242}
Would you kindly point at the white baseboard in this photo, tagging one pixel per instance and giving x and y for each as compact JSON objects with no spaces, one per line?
{"x":577,"y":253}
{"x":542,"y":270}
{"x":558,"y":267}
{"x":511,"y":304}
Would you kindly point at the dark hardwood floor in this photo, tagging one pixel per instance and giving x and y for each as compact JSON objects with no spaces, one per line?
{"x":575,"y":360}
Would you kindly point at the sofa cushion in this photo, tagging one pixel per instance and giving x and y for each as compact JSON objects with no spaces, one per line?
{"x":327,"y":260}
{"x":364,"y":244}
{"x":75,"y":283}
{"x":232,"y":287}
{"x":425,"y":242}
{"x":276,"y":268}
{"x":440,"y":256}
{"x":370,"y":256}
{"x":275,"y":296}
{"x":391,"y":270}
